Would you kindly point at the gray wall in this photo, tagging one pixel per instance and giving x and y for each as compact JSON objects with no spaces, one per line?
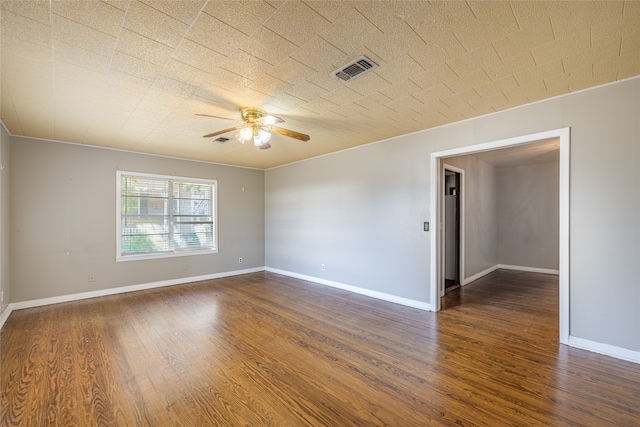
{"x":605,"y":214}
{"x":361,"y":211}
{"x":528,"y":215}
{"x":63,"y":219}
{"x":5,"y":197}
{"x":480,"y":220}
{"x":511,"y":214}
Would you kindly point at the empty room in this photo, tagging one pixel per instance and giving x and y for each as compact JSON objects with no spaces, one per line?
{"x":319,"y":213}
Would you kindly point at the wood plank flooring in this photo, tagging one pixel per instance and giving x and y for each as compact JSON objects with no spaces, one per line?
{"x":267,"y":350}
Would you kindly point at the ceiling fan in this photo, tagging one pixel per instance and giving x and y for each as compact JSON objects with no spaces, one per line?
{"x":257,"y":126}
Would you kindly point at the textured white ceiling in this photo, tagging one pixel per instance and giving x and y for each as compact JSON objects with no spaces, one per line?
{"x":133,"y":74}
{"x":527,"y":154}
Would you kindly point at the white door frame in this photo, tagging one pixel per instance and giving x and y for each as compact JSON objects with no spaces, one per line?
{"x":436,"y":214}
{"x":461,"y":190}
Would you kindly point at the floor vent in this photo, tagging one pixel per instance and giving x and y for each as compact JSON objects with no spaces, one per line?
{"x":354,"y":69}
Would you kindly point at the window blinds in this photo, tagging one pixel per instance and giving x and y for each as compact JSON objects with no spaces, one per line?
{"x":160,"y":215}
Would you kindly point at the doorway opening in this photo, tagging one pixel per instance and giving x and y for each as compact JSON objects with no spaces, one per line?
{"x":452,"y":218}
{"x":437,"y":265}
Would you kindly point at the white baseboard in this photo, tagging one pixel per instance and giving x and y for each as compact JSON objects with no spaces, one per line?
{"x":479,"y":275}
{"x":120,"y":290}
{"x":529,"y":269}
{"x":606,"y":349}
{"x":355,"y":289}
{"x":5,"y":314}
{"x":509,"y":267}
{"x":596,"y":347}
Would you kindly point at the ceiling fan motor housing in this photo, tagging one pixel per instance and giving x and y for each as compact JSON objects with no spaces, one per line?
{"x":251,"y":114}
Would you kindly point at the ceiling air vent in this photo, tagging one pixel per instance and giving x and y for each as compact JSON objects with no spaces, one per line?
{"x":354,"y":69}
{"x":221,"y":140}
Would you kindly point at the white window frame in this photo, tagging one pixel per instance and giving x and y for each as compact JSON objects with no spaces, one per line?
{"x":168,"y":254}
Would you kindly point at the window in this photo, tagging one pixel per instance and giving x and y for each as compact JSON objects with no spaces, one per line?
{"x":162,"y":216}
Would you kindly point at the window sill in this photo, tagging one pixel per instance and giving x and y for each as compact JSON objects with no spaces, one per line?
{"x":141,"y":257}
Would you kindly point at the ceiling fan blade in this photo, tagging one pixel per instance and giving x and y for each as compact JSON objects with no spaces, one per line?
{"x":265,"y":146}
{"x":217,"y":117}
{"x":290,"y":133}
{"x":269,"y":120}
{"x":209,"y":135}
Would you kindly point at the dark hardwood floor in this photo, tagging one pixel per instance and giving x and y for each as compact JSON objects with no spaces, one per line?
{"x":268,"y":350}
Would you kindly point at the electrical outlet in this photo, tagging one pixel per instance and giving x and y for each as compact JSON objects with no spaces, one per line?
{"x":240,"y":260}
{"x":92,"y":278}
{"x":323,"y":267}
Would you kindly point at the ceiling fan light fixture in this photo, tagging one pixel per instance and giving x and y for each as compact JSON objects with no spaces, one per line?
{"x":246,"y":133}
{"x":257,"y":126}
{"x":262,"y":137}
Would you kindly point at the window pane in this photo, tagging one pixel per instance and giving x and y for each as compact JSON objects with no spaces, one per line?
{"x":191,"y":191}
{"x":192,"y":207}
{"x":164,"y":215}
{"x":193,"y":235}
{"x":140,"y":186}
{"x":144,"y":206}
{"x":141,"y":244}
{"x":191,"y":219}
{"x":144,"y":225}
